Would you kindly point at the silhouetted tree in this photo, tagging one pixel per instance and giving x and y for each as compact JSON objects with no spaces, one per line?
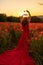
{"x":10,"y":19}
{"x":13,"y":19}
{"x":3,"y":18}
{"x":35,"y":19}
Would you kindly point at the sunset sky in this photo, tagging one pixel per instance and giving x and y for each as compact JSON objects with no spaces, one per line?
{"x":14,"y":7}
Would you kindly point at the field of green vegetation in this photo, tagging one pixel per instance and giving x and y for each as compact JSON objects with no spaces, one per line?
{"x":10,"y":34}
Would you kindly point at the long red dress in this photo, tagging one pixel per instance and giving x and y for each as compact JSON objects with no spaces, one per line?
{"x":18,"y":55}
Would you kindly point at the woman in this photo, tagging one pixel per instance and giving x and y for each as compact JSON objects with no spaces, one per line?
{"x":19,"y":55}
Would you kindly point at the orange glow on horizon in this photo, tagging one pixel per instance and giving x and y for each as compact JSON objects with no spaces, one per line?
{"x":14,"y":7}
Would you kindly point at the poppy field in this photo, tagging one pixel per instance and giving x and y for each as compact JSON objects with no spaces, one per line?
{"x":10,"y":33}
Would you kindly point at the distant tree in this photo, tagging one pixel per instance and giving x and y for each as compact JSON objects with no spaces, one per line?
{"x":17,"y":19}
{"x":3,"y":18}
{"x":35,"y":19}
{"x":13,"y":19}
{"x":10,"y":19}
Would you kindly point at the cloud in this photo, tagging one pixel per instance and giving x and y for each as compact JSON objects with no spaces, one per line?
{"x":40,"y":3}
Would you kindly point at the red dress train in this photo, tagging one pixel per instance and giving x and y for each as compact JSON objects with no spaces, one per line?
{"x":18,"y":55}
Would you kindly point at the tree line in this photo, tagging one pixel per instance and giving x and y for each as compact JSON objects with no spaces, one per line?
{"x":5,"y":18}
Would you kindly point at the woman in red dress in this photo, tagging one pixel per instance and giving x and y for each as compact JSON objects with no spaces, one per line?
{"x":19,"y":55}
